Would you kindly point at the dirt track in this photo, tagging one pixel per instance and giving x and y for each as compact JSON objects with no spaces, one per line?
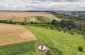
{"x":10,"y":34}
{"x":18,"y":16}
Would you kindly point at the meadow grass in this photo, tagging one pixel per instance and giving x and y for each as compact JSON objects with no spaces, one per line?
{"x":42,"y":19}
{"x":18,"y":49}
{"x":58,"y":42}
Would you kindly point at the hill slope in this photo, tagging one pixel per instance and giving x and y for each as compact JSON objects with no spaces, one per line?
{"x":59,"y":42}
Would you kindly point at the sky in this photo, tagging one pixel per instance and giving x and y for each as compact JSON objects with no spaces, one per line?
{"x":22,"y":5}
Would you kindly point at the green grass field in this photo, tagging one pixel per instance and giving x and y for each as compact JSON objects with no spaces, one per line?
{"x":58,"y":42}
{"x":18,"y":49}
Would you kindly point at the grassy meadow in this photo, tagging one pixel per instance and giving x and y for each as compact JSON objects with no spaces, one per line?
{"x":18,"y":49}
{"x":58,"y":42}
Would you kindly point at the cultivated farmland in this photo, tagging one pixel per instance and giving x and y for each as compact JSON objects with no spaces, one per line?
{"x":19,"y":16}
{"x":10,"y":34}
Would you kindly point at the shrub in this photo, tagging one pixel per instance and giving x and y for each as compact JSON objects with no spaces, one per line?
{"x":80,"y":49}
{"x":32,"y":22}
{"x":54,"y":22}
{"x":48,"y":52}
{"x":72,"y":31}
{"x":83,"y":37}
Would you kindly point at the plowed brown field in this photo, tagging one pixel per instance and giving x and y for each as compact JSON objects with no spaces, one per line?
{"x":10,"y":34}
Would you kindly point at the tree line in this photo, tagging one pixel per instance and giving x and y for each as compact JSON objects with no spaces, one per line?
{"x":70,"y":26}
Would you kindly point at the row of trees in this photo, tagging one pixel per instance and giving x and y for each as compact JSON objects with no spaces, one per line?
{"x":70,"y":26}
{"x":11,"y":21}
{"x":22,"y":22}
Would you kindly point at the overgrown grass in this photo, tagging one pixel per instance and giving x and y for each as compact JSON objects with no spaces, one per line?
{"x":18,"y":49}
{"x":58,"y":42}
{"x":42,"y":19}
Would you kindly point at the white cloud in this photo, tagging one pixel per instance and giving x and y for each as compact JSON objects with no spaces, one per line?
{"x":41,"y":5}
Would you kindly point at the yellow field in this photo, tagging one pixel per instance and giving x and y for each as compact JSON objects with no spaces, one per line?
{"x":19,"y":16}
{"x":10,"y":34}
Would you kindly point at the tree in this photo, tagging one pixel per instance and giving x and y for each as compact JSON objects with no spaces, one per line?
{"x":54,"y":22}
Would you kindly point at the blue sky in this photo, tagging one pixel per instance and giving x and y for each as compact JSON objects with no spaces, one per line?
{"x":42,"y":5}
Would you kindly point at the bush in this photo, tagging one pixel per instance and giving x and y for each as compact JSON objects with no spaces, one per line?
{"x":32,"y":22}
{"x":80,"y":49}
{"x":48,"y":52}
{"x":55,"y":22}
{"x":72,"y":32}
{"x":83,"y":37}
